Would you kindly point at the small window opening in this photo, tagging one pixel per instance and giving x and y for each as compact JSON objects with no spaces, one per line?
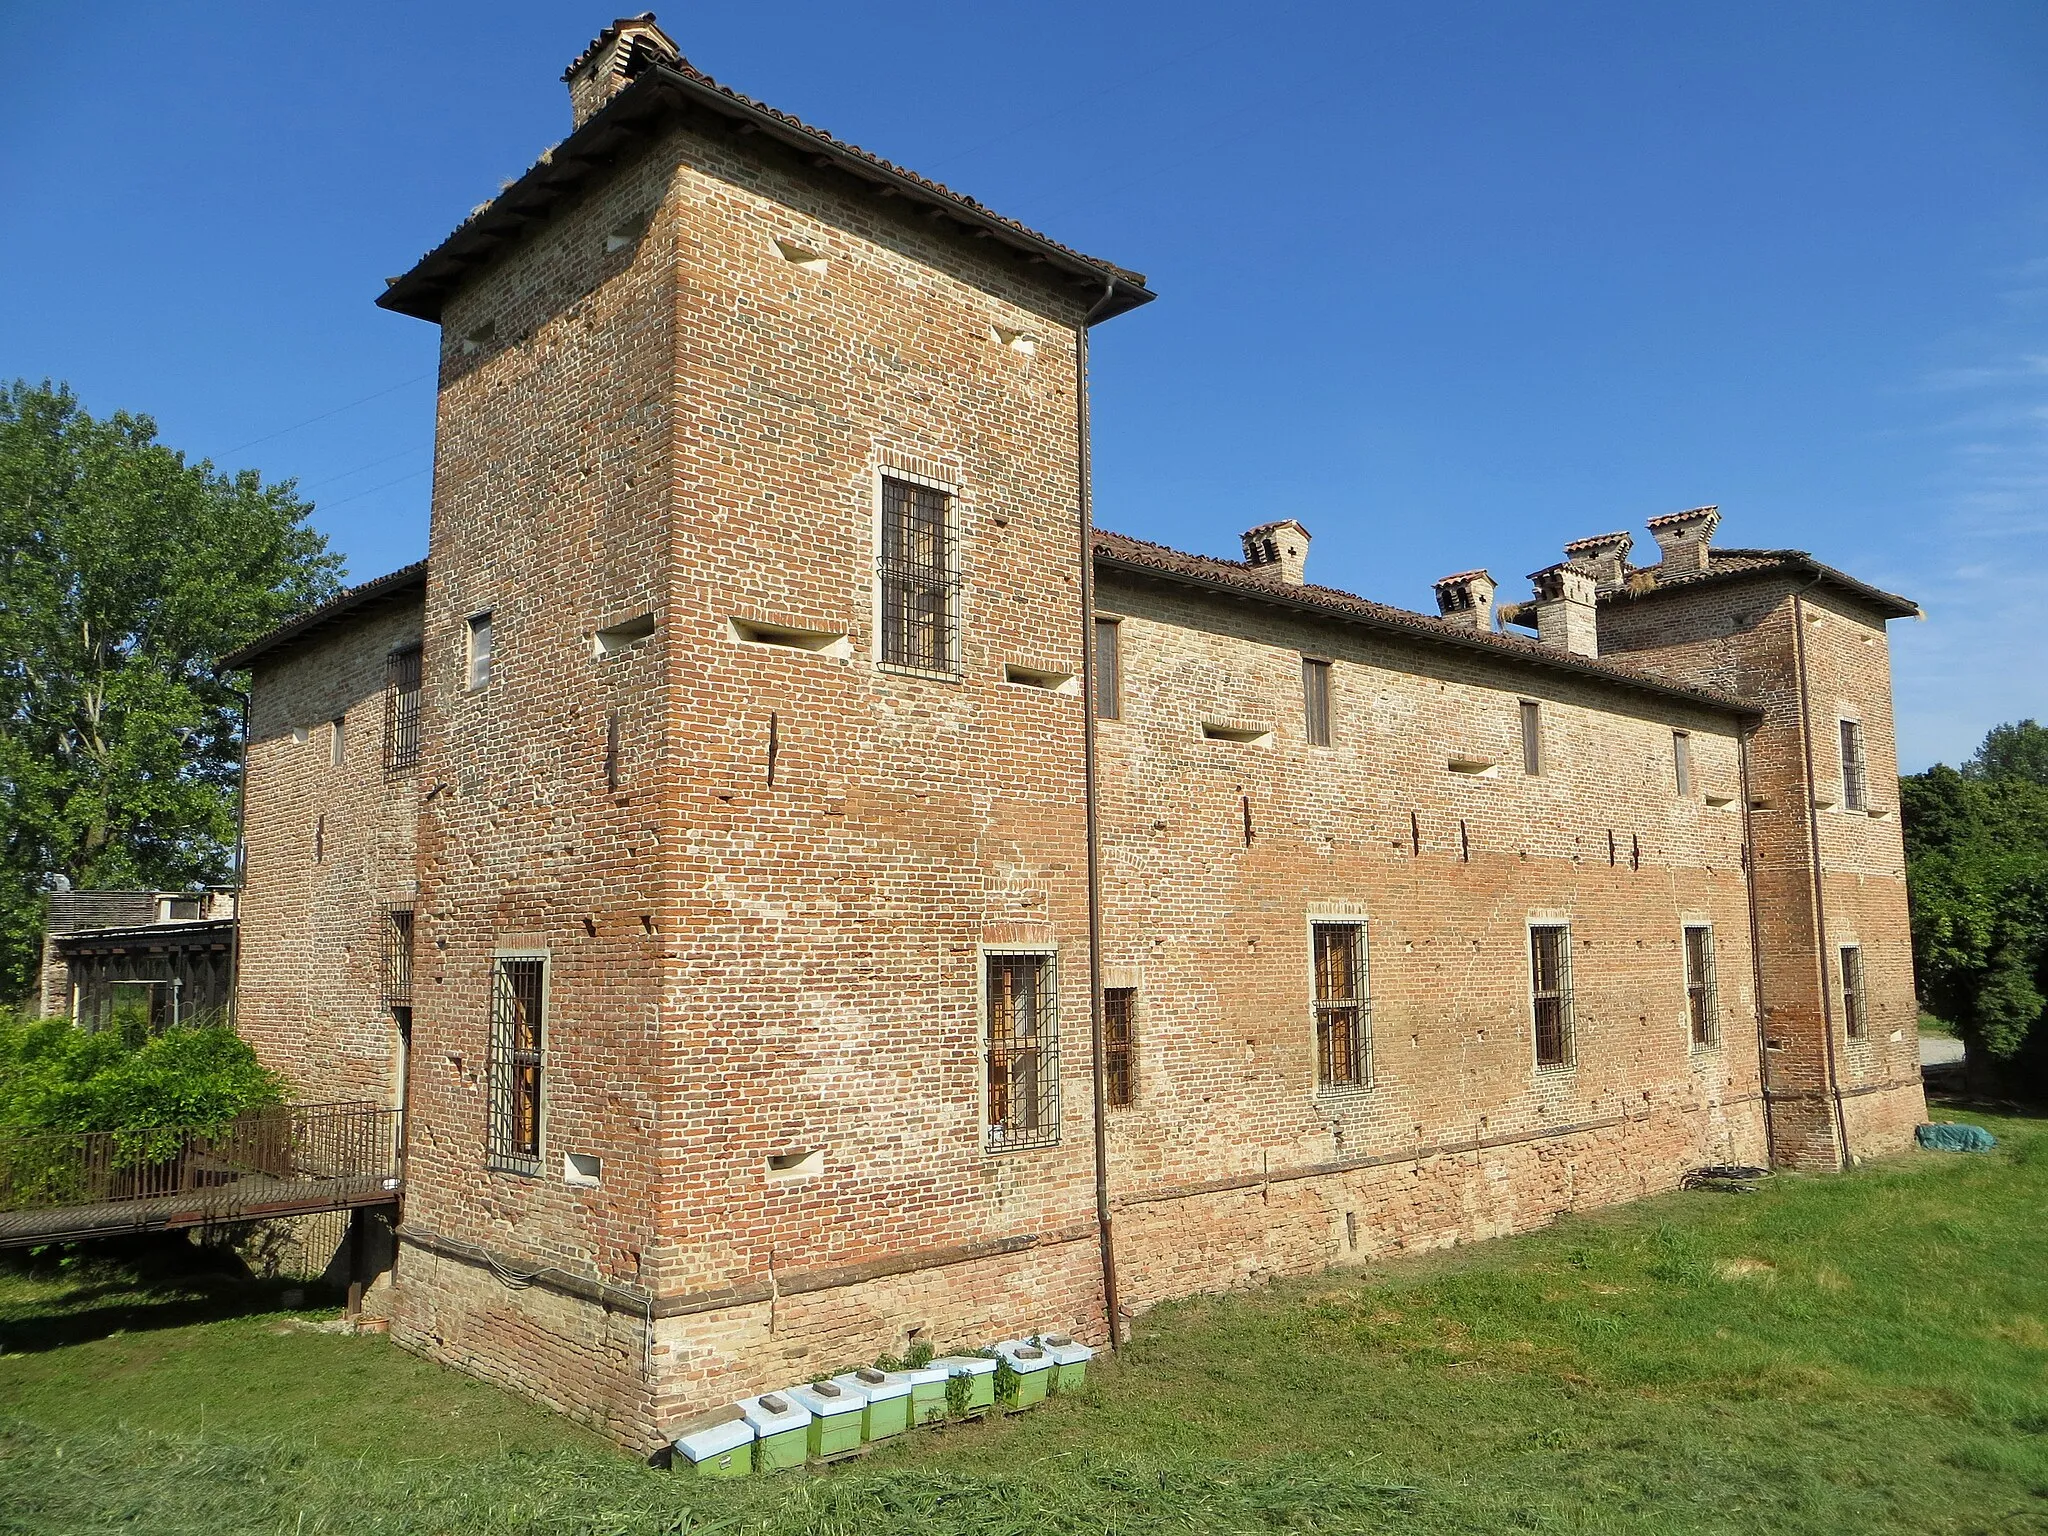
{"x":477,"y":668}
{"x":1315,"y":694}
{"x":798,"y":254}
{"x":1853,"y":1003}
{"x":822,"y":642}
{"x":337,"y":740}
{"x":402,"y":709}
{"x":1855,"y":772}
{"x":1119,"y":1045}
{"x":1464,"y":844}
{"x":1023,"y":1052}
{"x":1681,"y":763}
{"x":1250,"y":735}
{"x":611,"y":752}
{"x":1343,"y":1006}
{"x":582,"y":1169}
{"x":1035,"y":677}
{"x":1532,"y":738}
{"x":1550,"y":973}
{"x":319,"y":838}
{"x":616,"y":637}
{"x":627,"y":233}
{"x":479,"y":337}
{"x":1109,"y":682}
{"x":801,"y":1163}
{"x":1702,"y":1012}
{"x":1474,"y":767}
{"x":1016,"y":341}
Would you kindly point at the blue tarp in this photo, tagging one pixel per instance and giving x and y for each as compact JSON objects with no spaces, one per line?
{"x":1955,"y":1138}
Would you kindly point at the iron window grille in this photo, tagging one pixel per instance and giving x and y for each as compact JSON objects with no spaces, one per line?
{"x":1119,"y":1029}
{"x":1343,"y":1006}
{"x":1023,"y":1053}
{"x":402,"y":709}
{"x":1855,"y":772}
{"x":1681,"y":762}
{"x":518,"y":1006}
{"x":919,"y":586}
{"x":397,"y":967}
{"x":1550,"y":975}
{"x":1109,"y":682}
{"x":1315,"y":699}
{"x":1701,"y":1008}
{"x":1532,"y":738}
{"x":1853,"y":1022}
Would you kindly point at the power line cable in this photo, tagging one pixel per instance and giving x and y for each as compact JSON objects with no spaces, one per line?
{"x":379,"y":395}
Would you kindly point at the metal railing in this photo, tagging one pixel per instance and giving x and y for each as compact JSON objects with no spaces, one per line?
{"x":285,"y":1161}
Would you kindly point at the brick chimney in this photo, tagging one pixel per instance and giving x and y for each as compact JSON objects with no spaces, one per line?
{"x":608,"y":65}
{"x":1565,"y":615}
{"x":1277,"y":551}
{"x":1684,"y":536}
{"x":1605,"y":555}
{"x":1466,"y":600}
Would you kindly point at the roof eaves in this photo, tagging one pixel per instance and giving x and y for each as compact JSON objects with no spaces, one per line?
{"x":1421,"y":627}
{"x":1760,"y":564}
{"x":334,"y":609}
{"x":629,"y":117}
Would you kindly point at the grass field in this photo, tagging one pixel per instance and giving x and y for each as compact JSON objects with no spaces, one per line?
{"x":1861,"y":1353}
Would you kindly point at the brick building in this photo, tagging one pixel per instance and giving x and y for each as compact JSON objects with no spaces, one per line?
{"x":714,"y":846}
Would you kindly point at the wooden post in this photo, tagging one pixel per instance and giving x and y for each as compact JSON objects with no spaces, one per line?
{"x":358,"y":1257}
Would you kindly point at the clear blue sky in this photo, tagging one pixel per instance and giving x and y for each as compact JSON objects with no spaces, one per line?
{"x":1452,"y":283}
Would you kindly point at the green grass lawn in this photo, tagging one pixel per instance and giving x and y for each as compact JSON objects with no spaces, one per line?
{"x":1861,"y":1353}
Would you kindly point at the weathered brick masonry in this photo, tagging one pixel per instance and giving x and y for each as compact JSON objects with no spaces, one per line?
{"x":763,"y":869}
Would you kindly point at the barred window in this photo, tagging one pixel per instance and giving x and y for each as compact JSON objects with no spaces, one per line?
{"x":1681,"y":762}
{"x":397,"y":968}
{"x":1343,"y":1006}
{"x":1854,"y":1004}
{"x":1315,"y":698}
{"x":1700,"y":1005}
{"x":1532,"y":738}
{"x":1119,"y":1025}
{"x":1855,"y":772}
{"x":917,"y":577}
{"x":518,"y":1004}
{"x":1550,"y":976}
{"x":1109,"y":682}
{"x":1023,"y":1053}
{"x":402,"y":709}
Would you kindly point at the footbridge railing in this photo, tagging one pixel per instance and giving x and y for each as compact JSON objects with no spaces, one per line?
{"x":64,"y":1186}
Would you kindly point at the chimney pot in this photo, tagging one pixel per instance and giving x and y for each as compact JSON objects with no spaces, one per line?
{"x":1605,"y":555}
{"x":1466,"y":600}
{"x":1278,"y":551}
{"x":1566,"y":617}
{"x":1684,"y":536}
{"x":609,"y":64}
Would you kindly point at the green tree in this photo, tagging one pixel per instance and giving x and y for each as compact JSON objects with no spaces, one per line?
{"x":2016,"y":751}
{"x":125,"y":574}
{"x":1977,"y":876}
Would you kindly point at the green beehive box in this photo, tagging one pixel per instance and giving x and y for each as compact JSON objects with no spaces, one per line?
{"x":927,"y":1395}
{"x":1034,"y":1368}
{"x":1070,"y":1361}
{"x":836,"y":1415}
{"x":781,"y":1431}
{"x":981,"y":1392}
{"x":715,"y":1444}
{"x":888,"y":1400}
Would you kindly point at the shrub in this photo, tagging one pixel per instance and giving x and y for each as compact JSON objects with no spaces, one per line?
{"x":55,"y":1076}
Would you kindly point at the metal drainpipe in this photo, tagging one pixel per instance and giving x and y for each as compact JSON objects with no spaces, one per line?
{"x":1099,"y":1083}
{"x":1820,"y":912}
{"x":241,"y":870}
{"x":1756,"y":954}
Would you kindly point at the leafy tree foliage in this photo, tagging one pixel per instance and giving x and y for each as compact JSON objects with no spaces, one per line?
{"x":125,"y":574}
{"x":54,"y":1076}
{"x":1977,"y":872}
{"x":2016,"y":751}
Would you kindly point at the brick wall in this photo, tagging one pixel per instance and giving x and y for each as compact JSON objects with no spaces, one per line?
{"x":329,"y":848}
{"x":1745,"y":637}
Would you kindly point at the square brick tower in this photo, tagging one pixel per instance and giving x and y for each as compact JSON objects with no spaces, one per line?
{"x":1805,"y":643}
{"x":751,"y":759}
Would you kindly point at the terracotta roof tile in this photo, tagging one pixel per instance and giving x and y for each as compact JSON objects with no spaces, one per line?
{"x":1733,"y":564}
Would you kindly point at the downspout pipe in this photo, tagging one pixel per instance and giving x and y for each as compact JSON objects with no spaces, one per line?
{"x":241,"y":868}
{"x":1756,"y":954}
{"x":1099,"y":1075}
{"x":1820,"y":911}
